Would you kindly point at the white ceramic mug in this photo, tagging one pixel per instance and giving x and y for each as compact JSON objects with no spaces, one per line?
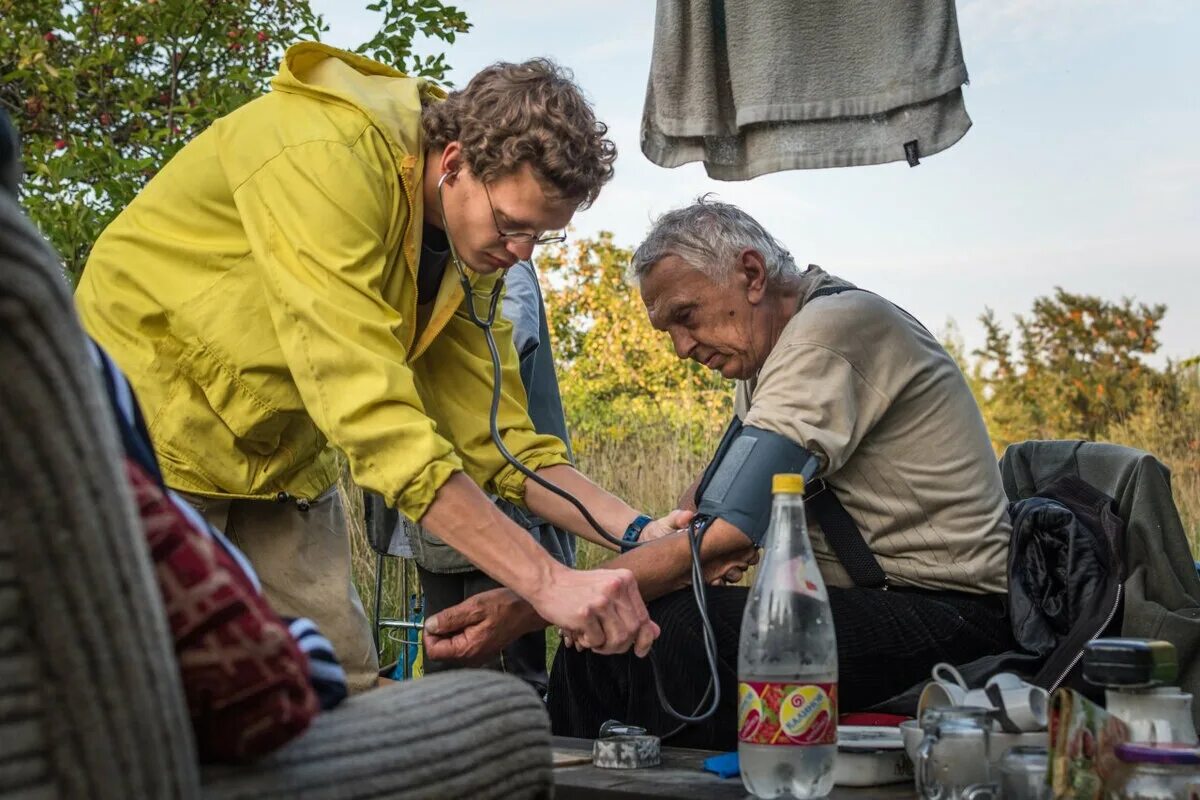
{"x":1025,"y":705}
{"x":946,"y":689}
{"x":1026,"y":708}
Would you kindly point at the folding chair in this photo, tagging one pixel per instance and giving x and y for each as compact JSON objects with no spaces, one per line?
{"x":388,"y":533}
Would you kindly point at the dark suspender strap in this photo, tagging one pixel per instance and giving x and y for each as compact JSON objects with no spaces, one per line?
{"x":832,"y":290}
{"x":844,"y":536}
{"x":836,"y":523}
{"x":828,"y":291}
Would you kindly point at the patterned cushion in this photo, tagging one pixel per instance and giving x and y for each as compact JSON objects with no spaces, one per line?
{"x":245,"y":679}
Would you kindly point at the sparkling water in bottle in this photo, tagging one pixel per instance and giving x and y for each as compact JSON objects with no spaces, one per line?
{"x":787,"y":662}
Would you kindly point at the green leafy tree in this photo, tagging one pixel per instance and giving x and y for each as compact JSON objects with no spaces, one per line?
{"x":1077,"y":364}
{"x":403,"y":21}
{"x":618,"y":374}
{"x":104,"y":92}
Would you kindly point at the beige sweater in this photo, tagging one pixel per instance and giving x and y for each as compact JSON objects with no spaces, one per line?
{"x":864,"y":386}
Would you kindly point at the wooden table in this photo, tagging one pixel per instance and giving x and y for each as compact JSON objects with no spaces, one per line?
{"x":680,"y":776}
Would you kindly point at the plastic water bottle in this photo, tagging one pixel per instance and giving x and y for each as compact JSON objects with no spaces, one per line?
{"x":787,"y":662}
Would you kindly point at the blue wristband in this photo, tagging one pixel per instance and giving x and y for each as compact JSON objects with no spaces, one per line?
{"x":634,"y":532}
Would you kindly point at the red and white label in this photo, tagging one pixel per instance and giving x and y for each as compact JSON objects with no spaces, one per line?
{"x":787,"y":713}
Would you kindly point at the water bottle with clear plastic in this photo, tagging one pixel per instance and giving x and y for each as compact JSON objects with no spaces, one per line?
{"x":787,"y":662}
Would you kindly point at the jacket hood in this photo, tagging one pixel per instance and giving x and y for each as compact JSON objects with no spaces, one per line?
{"x":391,"y":99}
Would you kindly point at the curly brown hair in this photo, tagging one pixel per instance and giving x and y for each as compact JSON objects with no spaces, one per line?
{"x":529,"y":113}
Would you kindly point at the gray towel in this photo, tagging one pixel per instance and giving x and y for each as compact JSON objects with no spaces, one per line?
{"x":756,"y":86}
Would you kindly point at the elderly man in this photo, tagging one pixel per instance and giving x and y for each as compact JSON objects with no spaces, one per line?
{"x":911,"y":530}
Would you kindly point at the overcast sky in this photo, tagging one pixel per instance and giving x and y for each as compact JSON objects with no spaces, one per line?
{"x":1082,"y":169}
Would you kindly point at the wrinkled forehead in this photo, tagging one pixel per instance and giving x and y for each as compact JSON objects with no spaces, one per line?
{"x":671,"y":285}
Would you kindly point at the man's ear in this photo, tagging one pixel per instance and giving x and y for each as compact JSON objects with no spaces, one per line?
{"x":752,"y":272}
{"x":451,"y":160}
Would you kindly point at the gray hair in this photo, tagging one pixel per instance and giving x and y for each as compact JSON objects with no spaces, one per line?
{"x":709,"y":236}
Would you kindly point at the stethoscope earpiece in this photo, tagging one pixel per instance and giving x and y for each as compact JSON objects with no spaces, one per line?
{"x":484,"y":323}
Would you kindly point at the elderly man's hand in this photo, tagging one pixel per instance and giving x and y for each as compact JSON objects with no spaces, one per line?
{"x":731,"y":567}
{"x":475,"y":630}
{"x":676,"y":520}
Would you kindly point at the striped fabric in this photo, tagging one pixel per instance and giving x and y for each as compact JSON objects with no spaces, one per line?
{"x":326,"y":675}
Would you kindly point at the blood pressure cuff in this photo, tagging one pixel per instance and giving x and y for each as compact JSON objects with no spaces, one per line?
{"x":736,"y":485}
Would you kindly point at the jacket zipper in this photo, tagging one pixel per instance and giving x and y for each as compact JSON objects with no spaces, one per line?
{"x":1107,"y":620}
{"x":411,"y":267}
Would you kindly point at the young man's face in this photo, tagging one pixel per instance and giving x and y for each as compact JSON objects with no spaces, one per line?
{"x":477,"y":215}
{"x":714,"y":324}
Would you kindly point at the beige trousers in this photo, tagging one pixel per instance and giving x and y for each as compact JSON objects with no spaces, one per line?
{"x":303,"y":561}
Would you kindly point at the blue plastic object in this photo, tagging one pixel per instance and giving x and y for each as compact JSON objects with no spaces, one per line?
{"x":724,"y":765}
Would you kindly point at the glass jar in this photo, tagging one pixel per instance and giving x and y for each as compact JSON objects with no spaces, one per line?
{"x":1023,"y":773}
{"x":1157,"y":772}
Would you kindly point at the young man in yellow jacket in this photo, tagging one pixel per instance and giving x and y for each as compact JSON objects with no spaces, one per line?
{"x":283,"y":291}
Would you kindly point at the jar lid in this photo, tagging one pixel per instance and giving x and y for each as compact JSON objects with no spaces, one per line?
{"x":1132,"y":753}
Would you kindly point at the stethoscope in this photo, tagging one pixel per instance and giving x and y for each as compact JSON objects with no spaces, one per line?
{"x":485,"y":323}
{"x":696,"y":531}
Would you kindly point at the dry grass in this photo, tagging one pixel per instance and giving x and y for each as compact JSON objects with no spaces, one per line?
{"x":1174,"y":437}
{"x":649,"y":470}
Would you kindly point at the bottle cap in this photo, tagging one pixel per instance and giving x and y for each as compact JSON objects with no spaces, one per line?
{"x":787,"y":483}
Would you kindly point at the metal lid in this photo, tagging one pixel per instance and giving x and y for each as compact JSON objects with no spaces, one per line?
{"x":1130,"y":663}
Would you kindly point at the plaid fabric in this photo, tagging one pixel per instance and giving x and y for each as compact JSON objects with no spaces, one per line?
{"x":887,"y":642}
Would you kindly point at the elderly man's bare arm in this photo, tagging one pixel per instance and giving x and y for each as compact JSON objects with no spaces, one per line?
{"x":687,"y":500}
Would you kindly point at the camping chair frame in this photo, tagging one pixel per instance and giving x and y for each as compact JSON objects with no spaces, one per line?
{"x":383,"y":529}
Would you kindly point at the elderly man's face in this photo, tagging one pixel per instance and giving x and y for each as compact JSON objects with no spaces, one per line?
{"x":718,"y":325}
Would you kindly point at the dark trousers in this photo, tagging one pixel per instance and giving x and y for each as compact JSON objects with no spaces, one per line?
{"x":525,"y":658}
{"x":887,"y":642}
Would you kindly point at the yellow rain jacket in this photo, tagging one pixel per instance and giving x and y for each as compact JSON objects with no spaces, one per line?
{"x":261,"y":295}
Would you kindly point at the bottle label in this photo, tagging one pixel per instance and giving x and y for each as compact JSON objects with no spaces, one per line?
{"x":787,"y":713}
{"x":802,"y":576}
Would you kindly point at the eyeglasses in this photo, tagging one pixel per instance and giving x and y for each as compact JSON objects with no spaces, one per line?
{"x":521,"y":237}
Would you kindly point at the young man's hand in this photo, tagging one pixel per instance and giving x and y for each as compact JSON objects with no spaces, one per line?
{"x":676,"y":520}
{"x":601,"y":609}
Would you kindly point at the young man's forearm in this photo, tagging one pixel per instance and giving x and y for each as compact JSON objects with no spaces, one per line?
{"x":613,"y":513}
{"x":467,"y":520}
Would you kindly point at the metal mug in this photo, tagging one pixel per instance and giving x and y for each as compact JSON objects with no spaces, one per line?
{"x":952,"y":759}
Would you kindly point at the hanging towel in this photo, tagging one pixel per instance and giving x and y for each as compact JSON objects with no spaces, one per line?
{"x":757,"y":86}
